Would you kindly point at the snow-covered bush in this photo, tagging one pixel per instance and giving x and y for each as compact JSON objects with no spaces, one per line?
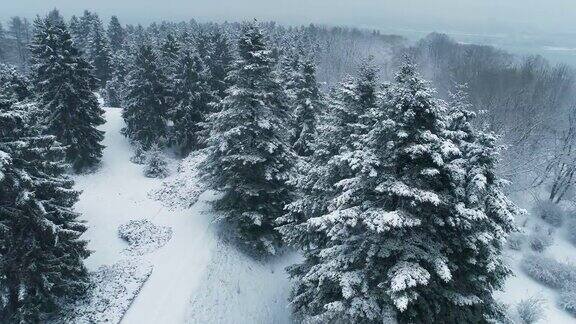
{"x":112,"y":290}
{"x":516,"y":241}
{"x":540,"y":239}
{"x":143,"y":236}
{"x":550,"y":212}
{"x":567,"y":298}
{"x":156,"y":165}
{"x":548,"y":271}
{"x":184,"y":188}
{"x":139,"y":156}
{"x":531,"y":310}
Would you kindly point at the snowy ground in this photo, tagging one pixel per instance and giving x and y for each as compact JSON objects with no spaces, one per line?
{"x":235,"y":289}
{"x":520,"y":286}
{"x":194,"y":279}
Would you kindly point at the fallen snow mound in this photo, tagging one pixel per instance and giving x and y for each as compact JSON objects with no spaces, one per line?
{"x":143,"y":236}
{"x":183,"y":189}
{"x":113,"y":288}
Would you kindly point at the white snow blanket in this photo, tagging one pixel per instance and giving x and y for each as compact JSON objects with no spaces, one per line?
{"x":143,"y":236}
{"x":239,"y":289}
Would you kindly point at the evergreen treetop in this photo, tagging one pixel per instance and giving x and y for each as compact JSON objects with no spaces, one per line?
{"x":147,"y":100}
{"x":65,"y":87}
{"x":116,"y":34}
{"x":248,"y":156}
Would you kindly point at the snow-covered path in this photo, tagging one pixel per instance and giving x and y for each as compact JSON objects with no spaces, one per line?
{"x":116,"y":194}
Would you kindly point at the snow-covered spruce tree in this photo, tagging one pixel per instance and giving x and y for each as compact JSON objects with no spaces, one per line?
{"x":416,"y":232}
{"x":99,"y":51}
{"x":146,"y":105}
{"x":169,"y":55}
{"x":116,"y":35}
{"x":308,"y":104}
{"x":338,"y":131}
{"x":80,"y":29}
{"x":139,"y":155}
{"x":247,"y":156}
{"x":14,"y":87}
{"x":192,"y":98}
{"x":219,"y":62}
{"x":75,"y":28}
{"x":41,"y":253}
{"x":64,"y":85}
{"x":115,"y":93}
{"x":156,"y":165}
{"x":292,"y":80}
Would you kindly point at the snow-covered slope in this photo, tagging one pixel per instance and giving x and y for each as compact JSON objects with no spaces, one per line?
{"x":192,"y":270}
{"x":520,"y":286}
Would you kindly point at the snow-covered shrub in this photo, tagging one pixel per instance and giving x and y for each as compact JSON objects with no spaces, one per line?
{"x":516,"y":241}
{"x":567,"y":298}
{"x":112,"y":290}
{"x":143,"y":236}
{"x":113,"y":95}
{"x":184,"y":188}
{"x":139,"y":156}
{"x":550,"y":212}
{"x":531,"y":310}
{"x":540,"y":239}
{"x":156,"y":165}
{"x":548,"y":271}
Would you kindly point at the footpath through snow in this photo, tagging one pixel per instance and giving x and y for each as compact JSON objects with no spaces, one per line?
{"x":181,"y":287}
{"x":116,"y":194}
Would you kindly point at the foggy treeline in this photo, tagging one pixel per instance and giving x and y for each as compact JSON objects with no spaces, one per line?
{"x":526,"y":100}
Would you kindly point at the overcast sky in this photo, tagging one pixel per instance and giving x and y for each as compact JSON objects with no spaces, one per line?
{"x":466,"y":16}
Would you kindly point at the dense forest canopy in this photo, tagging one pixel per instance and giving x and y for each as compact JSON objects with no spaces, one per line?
{"x":384,"y":162}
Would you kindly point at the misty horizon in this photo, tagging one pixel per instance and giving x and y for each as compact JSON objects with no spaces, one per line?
{"x":520,"y":27}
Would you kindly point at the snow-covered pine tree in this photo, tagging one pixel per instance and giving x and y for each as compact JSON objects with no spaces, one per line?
{"x":116,"y":35}
{"x":146,"y":105}
{"x":247,"y":156}
{"x":398,"y":239}
{"x":65,"y":84}
{"x":308,"y":104}
{"x":41,"y":253}
{"x":484,"y":214}
{"x":169,"y":55}
{"x":291,"y":72}
{"x":13,"y":86}
{"x":156,"y":165}
{"x":291,"y":78}
{"x":139,"y":156}
{"x":192,"y":98}
{"x":99,"y":51}
{"x":219,"y":62}
{"x":338,"y":132}
{"x":115,"y":93}
{"x":80,"y":29}
{"x":75,"y":28}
